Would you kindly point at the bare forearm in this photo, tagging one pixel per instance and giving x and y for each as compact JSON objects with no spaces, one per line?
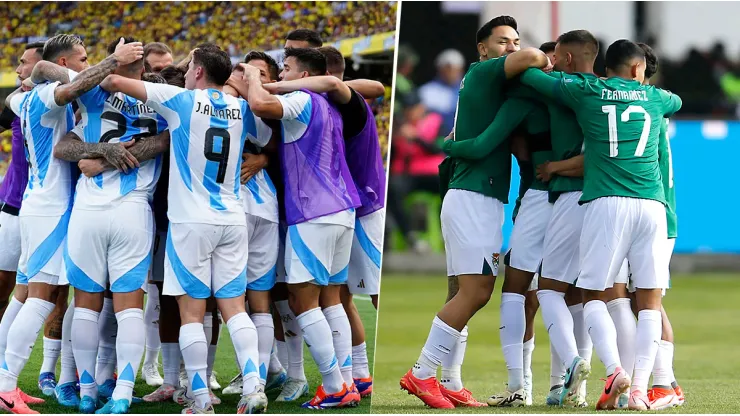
{"x":572,"y":173}
{"x":571,"y":164}
{"x":262,"y":103}
{"x":85,"y":81}
{"x":49,"y":71}
{"x":72,"y":149}
{"x":367,"y":88}
{"x":149,"y":147}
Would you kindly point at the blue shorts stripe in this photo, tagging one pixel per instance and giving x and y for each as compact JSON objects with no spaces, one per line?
{"x":46,"y":250}
{"x":234,"y":288}
{"x":77,"y":278}
{"x":265,"y":282}
{"x":367,"y":246}
{"x":340,"y":277}
{"x":307,"y":258}
{"x":133,"y":279}
{"x":189,"y":282}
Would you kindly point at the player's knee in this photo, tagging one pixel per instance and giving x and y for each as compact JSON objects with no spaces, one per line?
{"x":480,"y":298}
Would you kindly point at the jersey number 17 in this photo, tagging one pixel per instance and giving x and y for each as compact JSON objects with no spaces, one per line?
{"x":611,"y":111}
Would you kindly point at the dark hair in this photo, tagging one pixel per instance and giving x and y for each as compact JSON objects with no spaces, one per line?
{"x":485,"y":31}
{"x":622,"y":52}
{"x":157,"y":48}
{"x":208,"y":45}
{"x":153,"y":77}
{"x":310,"y":60}
{"x":581,"y":37}
{"x":272,"y":65}
{"x":548,"y":47}
{"x":214,"y":61}
{"x":39,"y":46}
{"x":173,"y":76}
{"x":60,"y":44}
{"x":311,"y":36}
{"x":651,"y":60}
{"x":136,"y":65}
{"x":334,"y":59}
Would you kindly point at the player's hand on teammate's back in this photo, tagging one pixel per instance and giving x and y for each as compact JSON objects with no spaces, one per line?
{"x":127,"y":53}
{"x":547,"y":69}
{"x":252,"y":164}
{"x":91,"y":167}
{"x":544,"y":171}
{"x":117,"y":155}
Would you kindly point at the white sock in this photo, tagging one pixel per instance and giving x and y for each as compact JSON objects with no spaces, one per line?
{"x":557,"y":369}
{"x":559,"y":324}
{"x":265,"y":340}
{"x":360,"y":366}
{"x":129,"y":350}
{"x":195,"y":355}
{"x":69,"y":368}
{"x":649,"y":327}
{"x":317,"y":334}
{"x":208,"y":332}
{"x":624,"y":323}
{"x":171,"y":358}
{"x":437,"y":350}
{"x":513,"y":325}
{"x":22,"y":335}
{"x":85,"y":349}
{"x":282,"y":353}
{"x":583,"y":340}
{"x":452,"y":375}
{"x":52,"y":350}
{"x":293,"y":340}
{"x":244,"y":336}
{"x":275,"y":365}
{"x":11,"y":311}
{"x":151,"y":320}
{"x":603,"y":334}
{"x":342,"y":337}
{"x":528,"y":349}
{"x":663,"y":367}
{"x":108,"y":331}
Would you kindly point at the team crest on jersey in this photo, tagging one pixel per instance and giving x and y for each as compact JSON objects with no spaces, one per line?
{"x":214,"y":95}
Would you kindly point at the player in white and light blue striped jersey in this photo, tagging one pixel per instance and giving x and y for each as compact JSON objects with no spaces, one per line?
{"x":207,"y":240}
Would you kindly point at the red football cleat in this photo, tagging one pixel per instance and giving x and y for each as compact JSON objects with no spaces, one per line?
{"x":426,"y":390}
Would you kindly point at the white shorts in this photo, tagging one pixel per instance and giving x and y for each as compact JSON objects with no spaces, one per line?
{"x":615,"y":228}
{"x":472,"y":231}
{"x":10,"y":241}
{"x":317,"y":253}
{"x":528,"y":236}
{"x":264,"y":242}
{"x":205,"y":259}
{"x":534,"y":284}
{"x":42,"y":242}
{"x":158,"y":254}
{"x":560,"y":258}
{"x":670,"y":244}
{"x":110,"y":248}
{"x":283,"y":234}
{"x":367,"y":254}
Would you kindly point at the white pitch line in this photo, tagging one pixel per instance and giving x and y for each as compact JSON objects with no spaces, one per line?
{"x":363,"y":297}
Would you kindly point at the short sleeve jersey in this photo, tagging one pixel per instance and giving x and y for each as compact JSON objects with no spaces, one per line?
{"x":43,"y":122}
{"x":208,"y":130}
{"x":481,"y":96}
{"x":117,"y":118}
{"x":620,"y":120}
{"x":666,"y":171}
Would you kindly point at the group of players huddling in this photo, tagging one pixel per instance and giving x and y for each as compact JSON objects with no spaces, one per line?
{"x":222,"y":226}
{"x":595,"y":220}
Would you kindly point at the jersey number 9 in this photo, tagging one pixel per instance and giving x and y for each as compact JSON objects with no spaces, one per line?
{"x":220,"y":153}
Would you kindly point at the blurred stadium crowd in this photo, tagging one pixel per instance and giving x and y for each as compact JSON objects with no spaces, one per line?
{"x":239,"y":28}
{"x":424,"y":112}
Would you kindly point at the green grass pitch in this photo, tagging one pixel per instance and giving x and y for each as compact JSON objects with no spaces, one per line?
{"x":704,"y":310}
{"x":225,"y":369}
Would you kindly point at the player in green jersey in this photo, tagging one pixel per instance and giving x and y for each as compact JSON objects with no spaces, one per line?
{"x":472,"y":214}
{"x":625,"y":213}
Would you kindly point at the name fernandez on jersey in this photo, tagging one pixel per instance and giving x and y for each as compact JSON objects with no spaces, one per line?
{"x":633,"y":95}
{"x":224,"y":113}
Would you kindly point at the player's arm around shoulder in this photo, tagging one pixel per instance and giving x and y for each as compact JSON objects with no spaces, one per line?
{"x":671,"y":102}
{"x":48,"y":71}
{"x":261,"y":102}
{"x":519,"y":61}
{"x":367,"y":88}
{"x":335,"y":88}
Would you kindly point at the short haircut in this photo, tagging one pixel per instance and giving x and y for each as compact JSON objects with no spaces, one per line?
{"x":157,"y":48}
{"x":39,"y":46}
{"x":583,"y":38}
{"x":311,"y":36}
{"x":112,"y":46}
{"x":215,"y":62}
{"x":173,"y":76}
{"x":272,"y":65}
{"x":153,"y":77}
{"x":485,"y":31}
{"x":60,"y":44}
{"x":208,"y":45}
{"x":548,"y":47}
{"x":334,"y":59}
{"x":622,"y":52}
{"x":310,"y":60}
{"x":651,"y":60}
